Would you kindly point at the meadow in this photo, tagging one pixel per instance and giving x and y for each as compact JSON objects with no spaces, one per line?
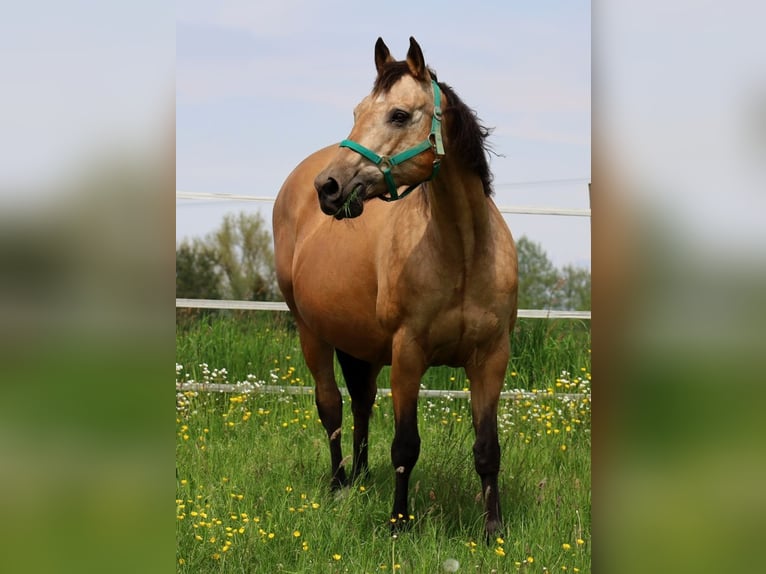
{"x":252,"y":469}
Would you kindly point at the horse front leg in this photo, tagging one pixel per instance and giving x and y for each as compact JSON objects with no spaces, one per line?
{"x":319,"y":359}
{"x":330,"y":407}
{"x":408,"y":366}
{"x":487,"y":375}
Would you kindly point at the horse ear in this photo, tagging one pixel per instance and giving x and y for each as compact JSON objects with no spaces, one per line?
{"x":416,"y":61}
{"x":382,"y":55}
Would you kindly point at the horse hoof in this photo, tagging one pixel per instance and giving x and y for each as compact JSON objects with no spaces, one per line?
{"x":400,"y":524}
{"x":338,"y":482}
{"x":340,"y":494}
{"x":360,"y":475}
{"x":493,"y":529}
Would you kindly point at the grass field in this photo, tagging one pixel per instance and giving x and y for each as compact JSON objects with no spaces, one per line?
{"x":252,"y":470}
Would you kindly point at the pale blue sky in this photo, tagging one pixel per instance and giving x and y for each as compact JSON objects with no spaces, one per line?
{"x":259,"y":86}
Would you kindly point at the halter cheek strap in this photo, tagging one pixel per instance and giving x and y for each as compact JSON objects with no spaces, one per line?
{"x":433,"y":141}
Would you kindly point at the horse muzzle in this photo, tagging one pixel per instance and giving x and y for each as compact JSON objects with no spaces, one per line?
{"x":340,"y":202}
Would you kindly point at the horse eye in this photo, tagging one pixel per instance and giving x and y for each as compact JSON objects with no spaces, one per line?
{"x":399,"y":117}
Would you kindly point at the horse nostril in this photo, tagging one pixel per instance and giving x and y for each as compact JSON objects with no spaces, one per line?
{"x":329,"y":188}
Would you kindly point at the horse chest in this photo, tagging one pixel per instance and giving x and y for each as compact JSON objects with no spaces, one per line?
{"x":448,"y":325}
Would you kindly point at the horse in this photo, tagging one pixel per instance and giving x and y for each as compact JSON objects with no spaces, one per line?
{"x":390,"y":251}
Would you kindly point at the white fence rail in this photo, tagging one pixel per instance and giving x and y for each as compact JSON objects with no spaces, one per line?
{"x":280,"y":306}
{"x":423,"y":393}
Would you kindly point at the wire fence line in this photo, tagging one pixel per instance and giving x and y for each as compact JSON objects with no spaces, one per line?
{"x":570,"y":181}
{"x":516,"y":209}
{"x":249,"y":388}
{"x":281,"y":306}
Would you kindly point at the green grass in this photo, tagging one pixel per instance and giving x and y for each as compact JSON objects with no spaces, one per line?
{"x":253,"y":478}
{"x":259,"y":343}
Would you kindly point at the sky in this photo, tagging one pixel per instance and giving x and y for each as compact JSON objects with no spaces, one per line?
{"x":259,"y":86}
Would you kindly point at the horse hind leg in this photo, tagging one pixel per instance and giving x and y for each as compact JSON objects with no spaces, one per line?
{"x":361,"y":380}
{"x":318,"y":357}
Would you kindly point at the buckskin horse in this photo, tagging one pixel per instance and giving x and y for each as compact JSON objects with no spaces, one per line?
{"x":428,"y":279}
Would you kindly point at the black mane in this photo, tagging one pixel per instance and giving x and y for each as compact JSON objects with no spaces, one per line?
{"x":467,"y":136}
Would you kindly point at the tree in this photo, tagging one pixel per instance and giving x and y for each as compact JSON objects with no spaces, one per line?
{"x":537,"y":276}
{"x":543,"y":286}
{"x":197,"y":275}
{"x":234,"y":262}
{"x":574,"y":289}
{"x":245,"y":258}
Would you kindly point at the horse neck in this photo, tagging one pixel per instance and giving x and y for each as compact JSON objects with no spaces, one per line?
{"x":459,"y":212}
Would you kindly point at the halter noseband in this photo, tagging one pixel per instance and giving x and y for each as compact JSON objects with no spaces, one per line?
{"x":433,"y":141}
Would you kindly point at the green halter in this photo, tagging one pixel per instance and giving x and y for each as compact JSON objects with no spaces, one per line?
{"x":433,"y":141}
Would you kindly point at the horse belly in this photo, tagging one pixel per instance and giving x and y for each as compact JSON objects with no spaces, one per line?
{"x":339,"y":308}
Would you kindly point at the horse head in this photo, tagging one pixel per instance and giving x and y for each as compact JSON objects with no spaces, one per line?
{"x":396,"y":140}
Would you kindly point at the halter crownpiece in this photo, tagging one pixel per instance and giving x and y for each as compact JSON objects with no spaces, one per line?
{"x":384,"y":163}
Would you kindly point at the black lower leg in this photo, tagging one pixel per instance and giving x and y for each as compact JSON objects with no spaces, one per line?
{"x":331,"y":415}
{"x":486,"y":452}
{"x":405,"y":451}
{"x":360,"y":380}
